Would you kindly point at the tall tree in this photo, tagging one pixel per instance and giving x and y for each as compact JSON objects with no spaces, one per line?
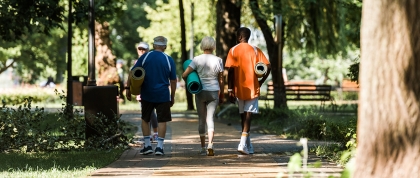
{"x":389,"y":102}
{"x":35,"y":57}
{"x":30,"y":37}
{"x":273,"y":51}
{"x":227,"y":22}
{"x":105,"y":61}
{"x":317,"y":27}
{"x":190,"y":104}
{"x":124,"y":34}
{"x":20,"y":17}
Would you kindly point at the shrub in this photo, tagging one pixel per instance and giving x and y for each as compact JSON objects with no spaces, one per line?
{"x":306,"y":122}
{"x":32,"y":130}
{"x":18,"y":96}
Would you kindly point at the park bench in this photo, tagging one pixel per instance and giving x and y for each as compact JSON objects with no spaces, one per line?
{"x":347,"y":87}
{"x":303,"y":91}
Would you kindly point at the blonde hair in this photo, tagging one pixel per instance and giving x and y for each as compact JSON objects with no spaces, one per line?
{"x":208,"y":43}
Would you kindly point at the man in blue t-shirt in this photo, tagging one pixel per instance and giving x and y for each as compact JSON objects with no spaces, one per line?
{"x":155,"y":92}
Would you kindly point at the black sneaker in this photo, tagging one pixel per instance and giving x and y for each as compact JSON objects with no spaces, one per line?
{"x":159,"y":151}
{"x":146,"y":150}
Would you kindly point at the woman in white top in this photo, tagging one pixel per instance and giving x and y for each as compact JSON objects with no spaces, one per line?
{"x":210,"y":70}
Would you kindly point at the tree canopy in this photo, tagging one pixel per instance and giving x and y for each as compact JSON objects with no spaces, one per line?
{"x":21,"y":17}
{"x":33,"y":36}
{"x":314,"y":29}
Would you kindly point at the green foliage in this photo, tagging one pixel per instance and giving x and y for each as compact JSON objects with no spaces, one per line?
{"x":321,"y":27}
{"x":32,"y":44}
{"x":339,"y":153}
{"x":80,"y":52}
{"x":32,"y":130}
{"x":354,"y":70}
{"x":165,"y":21}
{"x":295,"y":163}
{"x":17,"y":96}
{"x":105,"y":10}
{"x":305,"y":122}
{"x":22,"y":17}
{"x":124,"y":34}
{"x":303,"y":66}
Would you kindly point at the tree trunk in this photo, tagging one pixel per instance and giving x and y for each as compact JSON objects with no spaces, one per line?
{"x":388,"y":129}
{"x":190,"y":103}
{"x":228,"y":22}
{"x":273,"y":53}
{"x":104,"y":59}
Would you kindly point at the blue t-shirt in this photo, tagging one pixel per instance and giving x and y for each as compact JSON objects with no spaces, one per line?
{"x":160,"y":68}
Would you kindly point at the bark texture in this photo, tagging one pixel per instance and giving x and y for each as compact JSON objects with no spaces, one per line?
{"x":273,"y":54}
{"x":105,"y":61}
{"x":228,"y":22}
{"x":388,"y":129}
{"x":190,"y":103}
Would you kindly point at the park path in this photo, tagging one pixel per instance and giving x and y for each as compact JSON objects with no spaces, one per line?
{"x":181,"y":158}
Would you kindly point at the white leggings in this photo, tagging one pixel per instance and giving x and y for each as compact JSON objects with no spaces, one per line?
{"x":206,"y":103}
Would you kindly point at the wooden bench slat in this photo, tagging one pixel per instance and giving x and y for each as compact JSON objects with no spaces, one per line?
{"x":304,"y":92}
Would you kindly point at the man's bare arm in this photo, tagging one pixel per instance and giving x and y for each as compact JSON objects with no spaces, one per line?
{"x":173,"y":89}
{"x":231,"y":85}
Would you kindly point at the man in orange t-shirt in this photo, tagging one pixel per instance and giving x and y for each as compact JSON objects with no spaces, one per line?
{"x":243,"y":83}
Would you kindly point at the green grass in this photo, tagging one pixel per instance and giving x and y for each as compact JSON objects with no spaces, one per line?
{"x":76,"y":163}
{"x":55,"y":164}
{"x":81,"y":163}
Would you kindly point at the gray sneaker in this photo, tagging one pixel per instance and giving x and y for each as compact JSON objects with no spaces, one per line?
{"x":251,"y":149}
{"x":203,"y":151}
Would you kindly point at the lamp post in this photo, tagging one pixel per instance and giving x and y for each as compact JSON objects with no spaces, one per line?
{"x":69,"y":59}
{"x":97,"y":99}
{"x":91,"y":65}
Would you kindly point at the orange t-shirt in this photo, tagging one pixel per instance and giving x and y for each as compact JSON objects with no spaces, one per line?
{"x":243,"y":58}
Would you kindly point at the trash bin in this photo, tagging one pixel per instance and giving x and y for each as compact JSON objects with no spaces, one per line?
{"x":99,"y":99}
{"x":78,"y":82}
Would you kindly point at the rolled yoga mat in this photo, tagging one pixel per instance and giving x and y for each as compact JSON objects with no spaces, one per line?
{"x":260,"y":69}
{"x":137,"y":77}
{"x":193,"y":83}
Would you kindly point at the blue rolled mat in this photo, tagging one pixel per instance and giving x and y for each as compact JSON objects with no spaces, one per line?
{"x":193,"y":83}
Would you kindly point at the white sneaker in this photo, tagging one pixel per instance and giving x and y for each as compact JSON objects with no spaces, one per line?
{"x":251,"y":149}
{"x":243,"y":149}
{"x":203,"y":151}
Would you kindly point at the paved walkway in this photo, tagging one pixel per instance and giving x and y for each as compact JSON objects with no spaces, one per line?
{"x":181,"y":157}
